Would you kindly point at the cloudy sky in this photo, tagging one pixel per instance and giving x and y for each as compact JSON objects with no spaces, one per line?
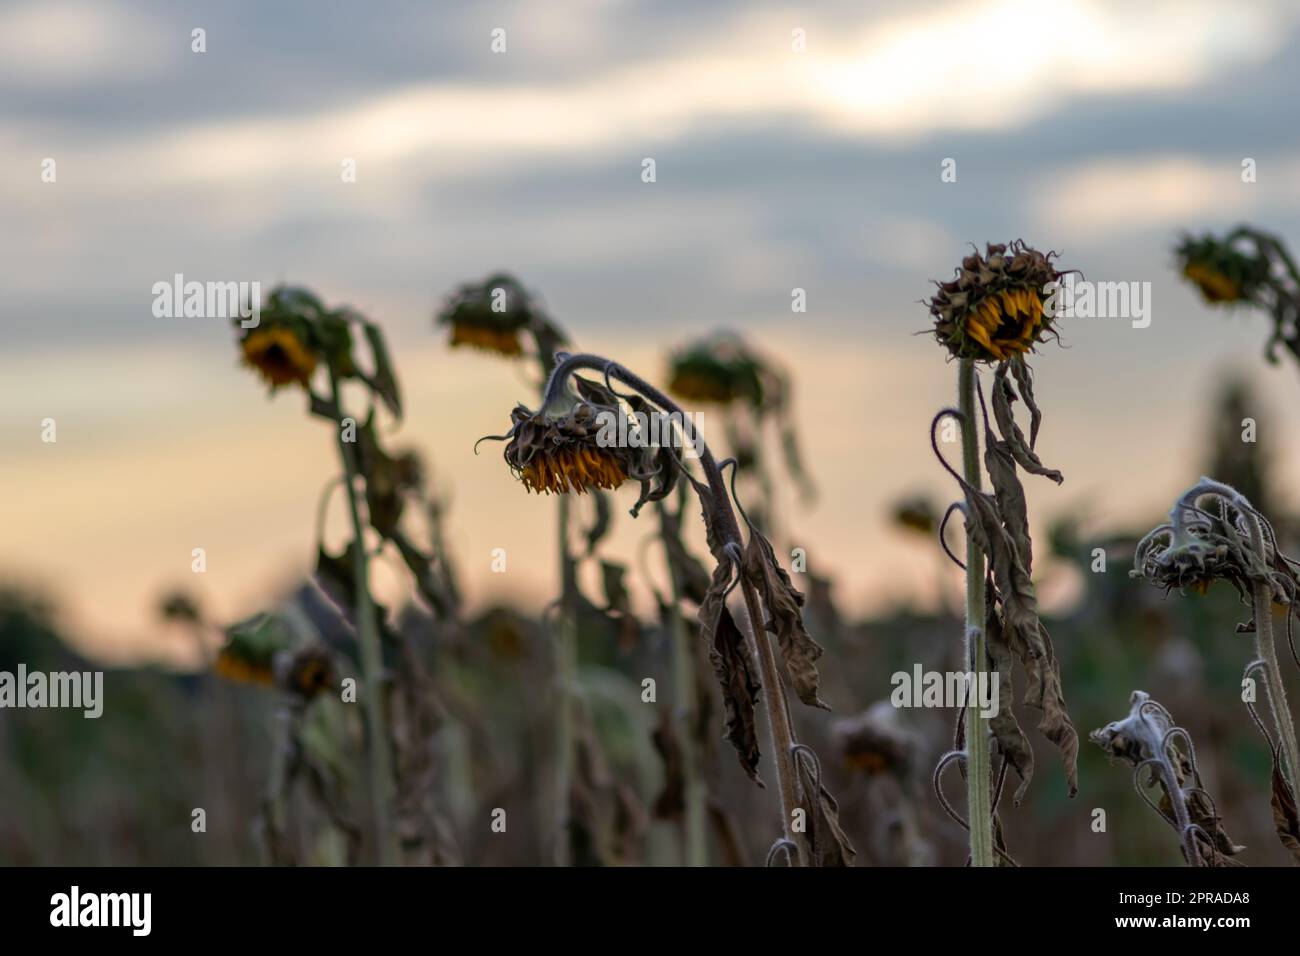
{"x":1094,"y":128}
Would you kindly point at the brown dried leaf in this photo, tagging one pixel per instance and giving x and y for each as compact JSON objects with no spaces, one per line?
{"x":829,"y":844}
{"x":1025,"y":379}
{"x":1024,"y":633}
{"x":735,"y":668}
{"x":1021,"y":450}
{"x":1012,"y":742}
{"x":785,"y":617}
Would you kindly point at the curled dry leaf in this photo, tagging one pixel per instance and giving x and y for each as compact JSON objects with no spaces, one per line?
{"x":829,"y":845}
{"x":1012,"y":742}
{"x":785,"y":617}
{"x":1020,"y":632}
{"x":736,"y":670}
{"x":1003,"y":396}
{"x":729,"y":652}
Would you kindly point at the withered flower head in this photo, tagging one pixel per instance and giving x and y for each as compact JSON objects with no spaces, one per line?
{"x":993,"y":309}
{"x":722,"y":369}
{"x":1209,"y":537}
{"x":877,"y":741}
{"x":294,"y":334}
{"x":579,"y":442}
{"x":1148,"y":740}
{"x":1221,"y":270}
{"x":718,"y":370}
{"x":492,"y":314}
{"x":280,"y":355}
{"x":264,"y":650}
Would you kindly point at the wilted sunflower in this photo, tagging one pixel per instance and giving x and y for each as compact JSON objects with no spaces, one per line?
{"x":1221,"y":270}
{"x":877,"y":741}
{"x":279,"y":355}
{"x":264,"y":650}
{"x":492,"y":314}
{"x":994,"y":307}
{"x":561,"y":453}
{"x":573,"y":444}
{"x":1202,"y":544}
{"x":718,"y":370}
{"x":1148,"y":740}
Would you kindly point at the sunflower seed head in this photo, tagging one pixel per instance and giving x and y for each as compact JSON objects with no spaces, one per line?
{"x":993,"y":308}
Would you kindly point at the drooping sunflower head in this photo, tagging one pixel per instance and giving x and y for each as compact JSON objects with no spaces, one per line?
{"x":1193,"y":566}
{"x":279,"y":355}
{"x":492,"y":315}
{"x":1199,"y":545}
{"x":264,"y":650}
{"x":876,"y":741}
{"x":994,"y":307}
{"x":718,"y":370}
{"x":294,"y":334}
{"x":587,"y":441}
{"x":561,"y":453}
{"x":1221,"y":270}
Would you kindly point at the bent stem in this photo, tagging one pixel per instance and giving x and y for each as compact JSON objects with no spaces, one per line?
{"x":780,"y":728}
{"x":978,"y":761}
{"x":1274,"y":687}
{"x":381,"y":779}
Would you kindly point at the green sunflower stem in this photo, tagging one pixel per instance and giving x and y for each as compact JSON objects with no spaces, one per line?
{"x":380,"y":768}
{"x":566,"y":681}
{"x":978,"y":763}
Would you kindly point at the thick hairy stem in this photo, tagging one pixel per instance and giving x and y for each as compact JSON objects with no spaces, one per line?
{"x":1266,"y":651}
{"x":726,"y":527}
{"x":780,"y":728}
{"x":1275,"y":689}
{"x":696,"y":848}
{"x":381,"y":774}
{"x":978,"y":762}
